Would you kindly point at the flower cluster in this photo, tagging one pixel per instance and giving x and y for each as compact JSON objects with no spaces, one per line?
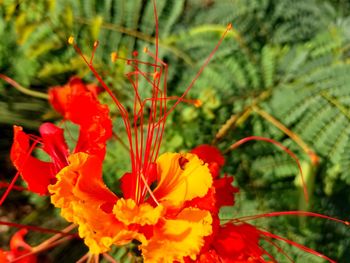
{"x":170,"y":202}
{"x":177,"y":220}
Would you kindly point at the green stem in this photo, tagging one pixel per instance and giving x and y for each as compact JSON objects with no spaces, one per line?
{"x":24,"y":90}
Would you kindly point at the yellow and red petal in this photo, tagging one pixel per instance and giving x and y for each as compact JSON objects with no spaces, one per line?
{"x":82,"y":197}
{"x":128,"y":181}
{"x":36,"y":173}
{"x":178,"y":238}
{"x":181,"y":178}
{"x":207,"y":202}
{"x":128,"y":212}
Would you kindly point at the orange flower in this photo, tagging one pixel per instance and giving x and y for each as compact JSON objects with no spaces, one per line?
{"x":105,"y":219}
{"x":167,"y":219}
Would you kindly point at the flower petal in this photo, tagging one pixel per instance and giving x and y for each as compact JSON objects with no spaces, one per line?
{"x":37,"y":174}
{"x":175,"y":239}
{"x":238,"y":243}
{"x":212,"y":156}
{"x":60,"y":96}
{"x":128,"y":212}
{"x":82,"y":197}
{"x":207,"y":202}
{"x":18,"y":248}
{"x":77,"y":103}
{"x":181,"y":177}
{"x":54,"y":144}
{"x":225,"y":191}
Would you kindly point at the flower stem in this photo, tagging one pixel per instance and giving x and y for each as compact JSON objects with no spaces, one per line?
{"x":24,"y":90}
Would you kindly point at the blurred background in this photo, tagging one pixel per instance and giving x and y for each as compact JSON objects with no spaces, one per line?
{"x":282,"y":72}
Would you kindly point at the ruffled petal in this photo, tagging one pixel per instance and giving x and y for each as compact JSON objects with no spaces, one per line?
{"x":18,"y":248}
{"x":85,"y":200}
{"x":207,"y":202}
{"x":54,"y":144}
{"x":175,"y":239}
{"x":36,"y":173}
{"x":181,"y":177}
{"x":77,"y":103}
{"x":225,"y":191}
{"x":238,"y":243}
{"x":212,"y":156}
{"x":128,"y":212}
{"x":60,"y":96}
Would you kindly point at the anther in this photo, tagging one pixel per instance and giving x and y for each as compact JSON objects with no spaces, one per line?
{"x":145,"y":49}
{"x":71,"y":40}
{"x":114,"y":56}
{"x":197,"y":103}
{"x":156,"y":75}
{"x":229,"y":26}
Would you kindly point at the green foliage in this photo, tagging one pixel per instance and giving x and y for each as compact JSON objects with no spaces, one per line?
{"x":289,"y":59}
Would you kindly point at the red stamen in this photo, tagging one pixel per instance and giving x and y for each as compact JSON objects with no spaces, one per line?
{"x":306,"y":249}
{"x":14,"y":187}
{"x":145,"y":143}
{"x":13,"y":181}
{"x":286,"y":213}
{"x":206,"y":62}
{"x":9,"y":188}
{"x":279,"y":249}
{"x":285,"y":149}
{"x":122,"y":110}
{"x":37,"y":229}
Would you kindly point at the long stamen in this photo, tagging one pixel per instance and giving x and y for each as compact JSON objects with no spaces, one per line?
{"x":306,"y":249}
{"x":279,"y":249}
{"x":13,"y":181}
{"x":286,"y":213}
{"x":206,"y":62}
{"x":289,"y":152}
{"x":36,"y":251}
{"x":14,"y":187}
{"x":37,"y":229}
{"x":121,"y":108}
{"x":9,"y":188}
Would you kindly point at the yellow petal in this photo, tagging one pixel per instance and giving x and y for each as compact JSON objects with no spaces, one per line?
{"x":181,"y":177}
{"x":178,"y":238}
{"x":128,"y":212}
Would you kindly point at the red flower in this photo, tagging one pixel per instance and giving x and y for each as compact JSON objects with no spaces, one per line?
{"x":212,"y":156}
{"x":77,"y":103}
{"x":18,"y":248}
